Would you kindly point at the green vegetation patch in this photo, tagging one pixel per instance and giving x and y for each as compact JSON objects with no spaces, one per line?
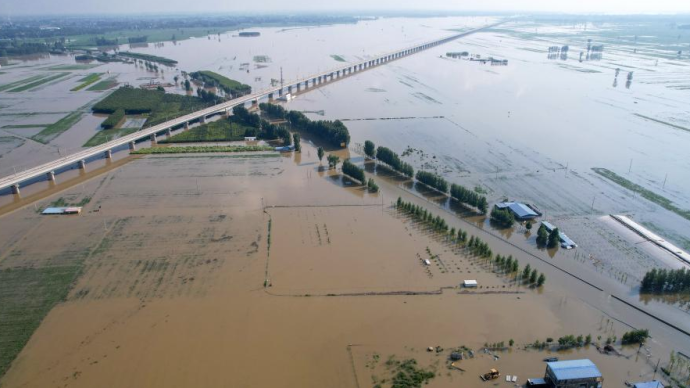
{"x":39,"y":82}
{"x":114,"y":119}
{"x":220,"y":130}
{"x":407,"y":374}
{"x":650,"y":195}
{"x":26,"y":297}
{"x":106,"y":135}
{"x":228,"y":85}
{"x":54,"y":130}
{"x":150,"y":58}
{"x":158,"y":105}
{"x":86,"y":81}
{"x":104,"y":85}
{"x":200,"y":149}
{"x":338,"y":58}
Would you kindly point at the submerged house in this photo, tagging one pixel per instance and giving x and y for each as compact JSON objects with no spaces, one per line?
{"x":521,"y":211}
{"x":566,"y":242}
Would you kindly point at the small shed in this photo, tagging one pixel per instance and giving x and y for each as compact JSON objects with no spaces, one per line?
{"x":573,"y":374}
{"x":469,"y":284}
{"x":61,"y":210}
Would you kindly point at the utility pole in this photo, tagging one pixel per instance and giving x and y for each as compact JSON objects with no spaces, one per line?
{"x":630,"y":168}
{"x":664,"y":185}
{"x":655,"y":369}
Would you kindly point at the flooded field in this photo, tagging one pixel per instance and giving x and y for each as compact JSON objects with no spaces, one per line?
{"x":188,"y":270}
{"x":174,"y":252}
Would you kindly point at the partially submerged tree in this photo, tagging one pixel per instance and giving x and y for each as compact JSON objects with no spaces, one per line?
{"x":333,"y":160}
{"x":370,"y":149}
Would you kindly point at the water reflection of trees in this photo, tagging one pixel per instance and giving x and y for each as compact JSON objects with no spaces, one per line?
{"x":680,"y":300}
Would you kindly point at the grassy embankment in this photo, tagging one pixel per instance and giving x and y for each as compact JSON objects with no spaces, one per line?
{"x":200,"y":149}
{"x":36,"y":82}
{"x":220,"y":130}
{"x":54,"y":130}
{"x":21,"y":126}
{"x":648,"y":194}
{"x":86,"y":81}
{"x":20,"y":82}
{"x":26,"y":297}
{"x":104,"y":85}
{"x":149,"y":58}
{"x":76,"y":66}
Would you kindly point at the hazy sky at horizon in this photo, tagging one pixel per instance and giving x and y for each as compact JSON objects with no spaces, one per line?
{"x":35,"y":7}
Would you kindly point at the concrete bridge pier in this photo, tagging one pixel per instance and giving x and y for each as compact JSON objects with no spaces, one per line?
{"x":270,"y":97}
{"x":153,"y":138}
{"x":82,"y":164}
{"x":299,"y":87}
{"x":186,"y":126}
{"x":51,"y":176}
{"x":255,"y":103}
{"x":227,"y":113}
{"x":108,"y":154}
{"x":202,"y":120}
{"x":15,"y":189}
{"x":280,"y":92}
{"x":133,"y":146}
{"x":168,"y":132}
{"x":289,"y":89}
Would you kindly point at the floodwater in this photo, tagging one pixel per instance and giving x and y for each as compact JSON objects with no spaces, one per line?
{"x":172,"y":290}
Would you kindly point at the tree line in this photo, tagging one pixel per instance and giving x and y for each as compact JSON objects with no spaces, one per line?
{"x":334,"y":133}
{"x":459,"y":193}
{"x":273,"y":110}
{"x":390,"y":158}
{"x":353,"y":171}
{"x":469,"y":197}
{"x":432,"y":180}
{"x":261,"y":128}
{"x":665,"y":281}
{"x":475,"y":245}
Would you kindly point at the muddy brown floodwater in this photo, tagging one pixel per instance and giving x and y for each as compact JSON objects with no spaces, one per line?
{"x":270,"y":270}
{"x":172,"y":289}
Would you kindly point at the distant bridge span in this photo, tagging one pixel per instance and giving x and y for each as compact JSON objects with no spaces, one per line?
{"x":105,"y":149}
